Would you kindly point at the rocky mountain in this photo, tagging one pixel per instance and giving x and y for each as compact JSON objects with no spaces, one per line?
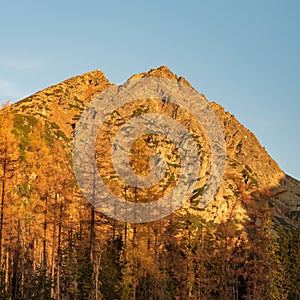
{"x":55,"y":245}
{"x":64,"y":102}
{"x":248,"y":163}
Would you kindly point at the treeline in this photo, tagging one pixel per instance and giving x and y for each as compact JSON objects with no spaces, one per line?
{"x":54,"y":245}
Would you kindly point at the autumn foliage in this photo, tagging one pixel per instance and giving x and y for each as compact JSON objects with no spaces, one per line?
{"x":54,"y":245}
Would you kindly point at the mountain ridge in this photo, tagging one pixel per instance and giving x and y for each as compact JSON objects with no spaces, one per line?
{"x":62,"y":104}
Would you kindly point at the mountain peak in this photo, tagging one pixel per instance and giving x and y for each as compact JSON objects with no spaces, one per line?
{"x":64,"y":101}
{"x":90,"y":79}
{"x":162,"y":72}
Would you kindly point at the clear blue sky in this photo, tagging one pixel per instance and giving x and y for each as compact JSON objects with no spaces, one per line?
{"x":242,"y":54}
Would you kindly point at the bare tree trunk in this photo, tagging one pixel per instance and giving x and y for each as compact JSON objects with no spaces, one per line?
{"x":92,"y":234}
{"x":4,"y":169}
{"x":96,"y":271}
{"x":45,"y":233}
{"x":92,"y":239}
{"x":6,"y":281}
{"x":53,"y":258}
{"x":125,"y":228}
{"x":92,"y":222}
{"x":59,"y":249}
{"x":134,"y":252}
{"x":1,"y":228}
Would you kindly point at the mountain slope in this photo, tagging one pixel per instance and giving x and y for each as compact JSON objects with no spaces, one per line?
{"x":55,"y":245}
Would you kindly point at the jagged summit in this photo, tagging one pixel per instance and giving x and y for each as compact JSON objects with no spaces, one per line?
{"x":163,"y":72}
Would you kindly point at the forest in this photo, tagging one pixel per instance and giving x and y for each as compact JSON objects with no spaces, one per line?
{"x":55,"y":245}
